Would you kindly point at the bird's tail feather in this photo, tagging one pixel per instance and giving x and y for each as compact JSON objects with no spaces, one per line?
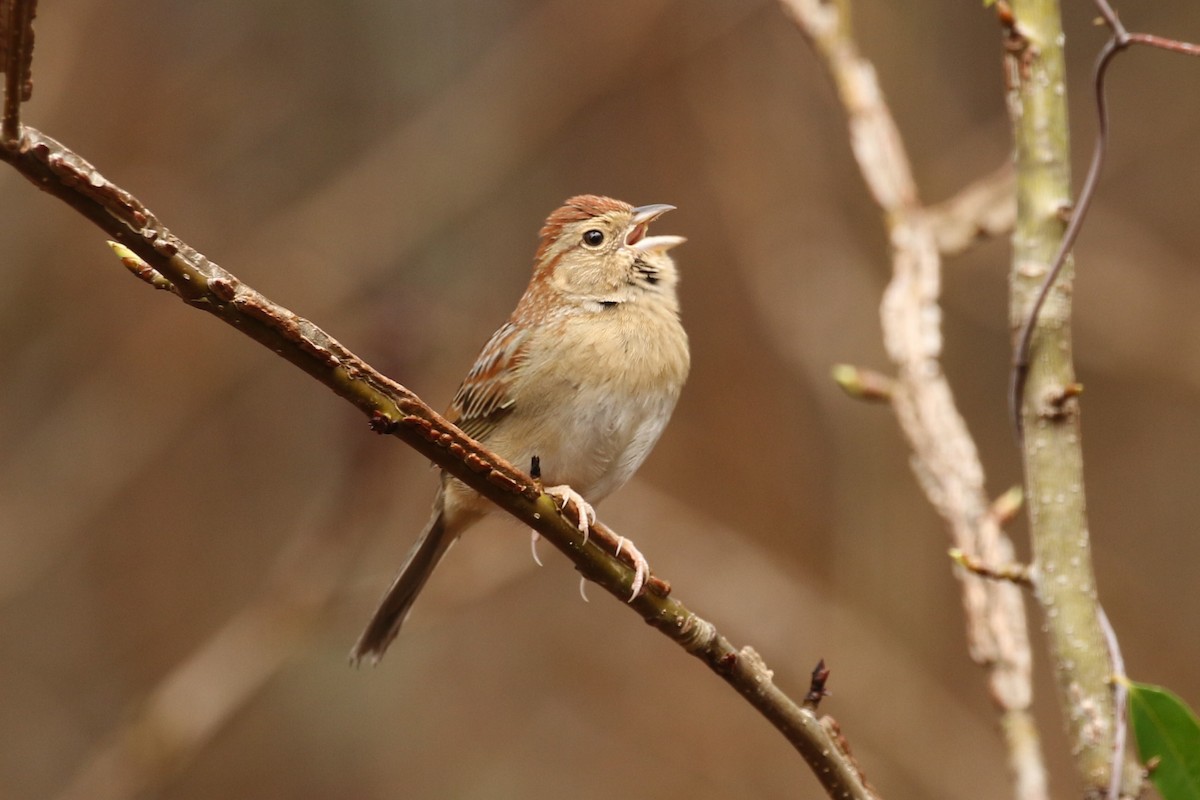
{"x":424,"y":557}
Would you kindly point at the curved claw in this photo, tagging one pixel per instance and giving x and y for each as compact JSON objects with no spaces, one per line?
{"x":587,"y":514}
{"x":533,"y":547}
{"x":641,"y":567}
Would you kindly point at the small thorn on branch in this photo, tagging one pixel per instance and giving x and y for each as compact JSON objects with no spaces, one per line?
{"x":1020,"y":574}
{"x":141,"y":269}
{"x":816,"y":689}
{"x":863,"y":384}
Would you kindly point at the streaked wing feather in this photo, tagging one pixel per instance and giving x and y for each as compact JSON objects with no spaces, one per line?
{"x":486,"y":393}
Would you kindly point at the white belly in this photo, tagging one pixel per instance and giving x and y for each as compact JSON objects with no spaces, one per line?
{"x":608,"y":439}
{"x":619,"y":393}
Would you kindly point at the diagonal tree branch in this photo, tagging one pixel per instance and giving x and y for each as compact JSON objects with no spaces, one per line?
{"x":165,"y":262}
{"x":160,"y":258}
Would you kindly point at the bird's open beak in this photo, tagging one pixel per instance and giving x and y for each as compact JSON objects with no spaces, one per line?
{"x":642,"y":217}
{"x":650,"y":244}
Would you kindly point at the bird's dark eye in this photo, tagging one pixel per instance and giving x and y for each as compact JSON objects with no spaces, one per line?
{"x":593,"y":237}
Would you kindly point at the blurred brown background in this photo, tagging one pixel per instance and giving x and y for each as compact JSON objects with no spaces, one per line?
{"x":382,"y":168}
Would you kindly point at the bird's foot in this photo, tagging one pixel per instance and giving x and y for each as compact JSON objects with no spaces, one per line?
{"x":587,"y":514}
{"x":587,"y":518}
{"x":641,"y":567}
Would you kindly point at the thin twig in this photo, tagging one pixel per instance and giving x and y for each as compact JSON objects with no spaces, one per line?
{"x":816,"y":689}
{"x":16,"y":60}
{"x":1170,"y":45}
{"x":1011,"y":572}
{"x":985,"y":208}
{"x":863,"y":384}
{"x":1120,"y":696}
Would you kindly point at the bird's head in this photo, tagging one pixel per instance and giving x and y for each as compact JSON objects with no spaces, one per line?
{"x":596,"y":249}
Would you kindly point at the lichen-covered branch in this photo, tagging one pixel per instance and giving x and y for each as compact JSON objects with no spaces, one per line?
{"x":1065,"y":584}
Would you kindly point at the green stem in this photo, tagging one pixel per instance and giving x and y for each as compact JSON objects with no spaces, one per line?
{"x":1052,"y":450}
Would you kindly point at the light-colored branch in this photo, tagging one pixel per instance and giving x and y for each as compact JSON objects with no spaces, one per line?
{"x":944,"y":455}
{"x":395,"y":410}
{"x":986,"y":208}
{"x":1049,"y":412}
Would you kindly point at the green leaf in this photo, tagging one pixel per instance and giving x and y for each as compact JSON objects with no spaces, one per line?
{"x":1168,"y":737}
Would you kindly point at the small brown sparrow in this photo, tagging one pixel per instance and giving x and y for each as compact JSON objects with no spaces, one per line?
{"x":584,"y":376}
